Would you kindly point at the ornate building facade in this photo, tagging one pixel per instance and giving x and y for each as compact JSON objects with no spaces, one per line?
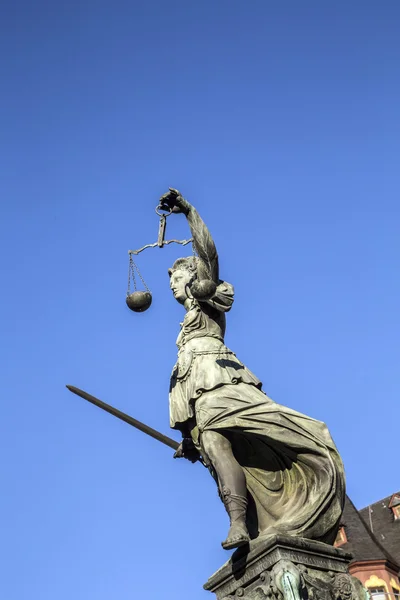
{"x":372,"y":535}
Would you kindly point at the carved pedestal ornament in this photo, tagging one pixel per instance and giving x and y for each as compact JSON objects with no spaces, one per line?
{"x":285,"y":568}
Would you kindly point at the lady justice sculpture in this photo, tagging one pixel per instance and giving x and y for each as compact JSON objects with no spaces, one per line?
{"x":277,"y":471}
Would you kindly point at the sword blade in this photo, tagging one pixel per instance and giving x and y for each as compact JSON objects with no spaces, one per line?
{"x":124,"y":417}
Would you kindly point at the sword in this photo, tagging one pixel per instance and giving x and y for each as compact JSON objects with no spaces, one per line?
{"x":124,"y":417}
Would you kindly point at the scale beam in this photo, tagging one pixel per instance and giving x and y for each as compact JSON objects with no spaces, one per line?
{"x":164,"y":243}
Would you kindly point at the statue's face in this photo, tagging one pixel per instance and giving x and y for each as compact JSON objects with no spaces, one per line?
{"x":178,"y":282}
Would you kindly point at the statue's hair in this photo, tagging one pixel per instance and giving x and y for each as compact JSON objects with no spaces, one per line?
{"x":185,"y":264}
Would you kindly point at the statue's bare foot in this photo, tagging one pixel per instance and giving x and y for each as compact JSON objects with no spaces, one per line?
{"x":237,"y":536}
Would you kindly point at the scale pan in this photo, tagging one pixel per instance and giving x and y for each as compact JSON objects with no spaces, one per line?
{"x":139,"y":301}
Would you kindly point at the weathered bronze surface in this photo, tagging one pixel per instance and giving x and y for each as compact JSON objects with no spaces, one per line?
{"x":139,"y":301}
{"x":278,"y":471}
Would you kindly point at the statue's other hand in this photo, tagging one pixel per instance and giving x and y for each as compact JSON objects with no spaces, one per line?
{"x":173,"y":201}
{"x":187,"y":450}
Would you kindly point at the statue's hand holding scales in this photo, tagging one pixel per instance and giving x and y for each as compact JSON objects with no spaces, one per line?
{"x":174,"y":202}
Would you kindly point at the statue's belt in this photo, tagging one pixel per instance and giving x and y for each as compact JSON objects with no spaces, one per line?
{"x":187,"y":355}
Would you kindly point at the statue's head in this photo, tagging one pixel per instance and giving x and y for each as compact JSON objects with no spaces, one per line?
{"x":182,"y":275}
{"x":184,"y":280}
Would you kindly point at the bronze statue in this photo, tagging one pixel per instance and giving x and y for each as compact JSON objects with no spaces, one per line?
{"x":277,"y":471}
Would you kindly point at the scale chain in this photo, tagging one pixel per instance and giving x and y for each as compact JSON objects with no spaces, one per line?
{"x":129,"y":278}
{"x":140,"y":275}
{"x":132,"y":275}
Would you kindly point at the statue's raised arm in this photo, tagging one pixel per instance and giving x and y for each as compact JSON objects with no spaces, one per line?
{"x":202,"y":241}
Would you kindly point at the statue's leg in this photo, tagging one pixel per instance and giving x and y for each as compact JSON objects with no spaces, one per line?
{"x":232,"y":485}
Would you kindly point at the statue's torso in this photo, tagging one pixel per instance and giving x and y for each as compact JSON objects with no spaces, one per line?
{"x":204,"y":362}
{"x":201,"y":322}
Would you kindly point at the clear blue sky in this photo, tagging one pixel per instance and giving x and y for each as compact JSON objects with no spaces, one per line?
{"x":280,"y":122}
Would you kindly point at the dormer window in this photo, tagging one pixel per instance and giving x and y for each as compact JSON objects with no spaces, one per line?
{"x":341,"y":537}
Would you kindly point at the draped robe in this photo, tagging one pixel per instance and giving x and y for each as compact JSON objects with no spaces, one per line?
{"x":294,"y":474}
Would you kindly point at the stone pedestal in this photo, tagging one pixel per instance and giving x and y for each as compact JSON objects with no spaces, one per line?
{"x":280,"y":567}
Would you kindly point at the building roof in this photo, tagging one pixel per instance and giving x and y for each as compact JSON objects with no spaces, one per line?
{"x":380,"y":520}
{"x":362,"y":543}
